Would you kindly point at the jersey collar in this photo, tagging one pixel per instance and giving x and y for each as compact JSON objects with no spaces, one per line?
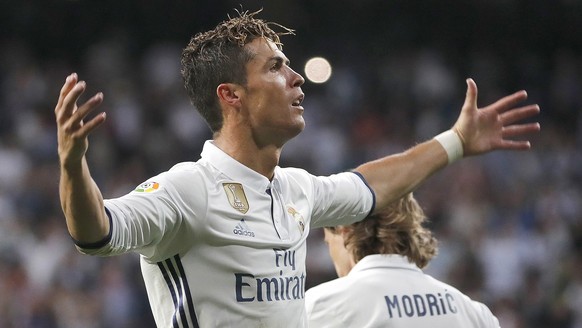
{"x":392,"y":261}
{"x":232,"y":168}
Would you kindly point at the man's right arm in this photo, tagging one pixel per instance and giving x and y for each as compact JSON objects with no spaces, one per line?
{"x":82,"y":204}
{"x":81,"y":199}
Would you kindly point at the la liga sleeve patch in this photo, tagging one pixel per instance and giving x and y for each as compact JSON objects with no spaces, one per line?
{"x":149,"y":186}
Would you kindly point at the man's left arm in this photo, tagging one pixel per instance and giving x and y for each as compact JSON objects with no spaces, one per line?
{"x":477,"y":131}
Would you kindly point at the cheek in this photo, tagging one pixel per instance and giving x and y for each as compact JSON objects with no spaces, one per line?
{"x":345,"y":256}
{"x":263,"y":102}
{"x":339,"y":256}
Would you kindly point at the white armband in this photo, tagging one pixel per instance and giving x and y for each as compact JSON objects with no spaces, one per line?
{"x":452,"y":144}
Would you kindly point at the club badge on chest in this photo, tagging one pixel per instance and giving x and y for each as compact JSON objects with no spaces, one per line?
{"x":236,"y":196}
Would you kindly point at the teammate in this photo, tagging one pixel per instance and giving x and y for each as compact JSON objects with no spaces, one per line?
{"x":381,"y":284}
{"x":223,"y":239}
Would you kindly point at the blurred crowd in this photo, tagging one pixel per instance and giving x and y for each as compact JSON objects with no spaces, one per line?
{"x":509,"y":224}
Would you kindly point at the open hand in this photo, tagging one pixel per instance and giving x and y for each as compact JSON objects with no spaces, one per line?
{"x":72,"y":131}
{"x":489,"y":128}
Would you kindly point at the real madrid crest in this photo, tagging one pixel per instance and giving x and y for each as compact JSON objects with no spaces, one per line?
{"x":297,"y":217}
{"x":236,"y":196}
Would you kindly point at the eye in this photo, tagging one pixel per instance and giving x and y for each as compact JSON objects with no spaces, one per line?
{"x":276,"y":66}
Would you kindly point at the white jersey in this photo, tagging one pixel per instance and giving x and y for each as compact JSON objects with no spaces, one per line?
{"x":388,"y":291}
{"x":221,"y":245}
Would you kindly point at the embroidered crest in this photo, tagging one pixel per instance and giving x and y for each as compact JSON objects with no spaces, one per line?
{"x":297,"y":216}
{"x":236,"y":196}
{"x":149,"y":186}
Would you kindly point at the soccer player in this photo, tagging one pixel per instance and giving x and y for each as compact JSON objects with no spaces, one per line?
{"x":381,"y":284}
{"x":223,"y":239}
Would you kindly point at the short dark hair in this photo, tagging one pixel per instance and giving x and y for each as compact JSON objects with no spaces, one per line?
{"x":218,"y":56}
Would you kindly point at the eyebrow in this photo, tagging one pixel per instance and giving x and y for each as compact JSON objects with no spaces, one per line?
{"x":279,"y":59}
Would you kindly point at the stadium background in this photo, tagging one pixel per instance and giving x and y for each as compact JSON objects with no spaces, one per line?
{"x":509,"y":224}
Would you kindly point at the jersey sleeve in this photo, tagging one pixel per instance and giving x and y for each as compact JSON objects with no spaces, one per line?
{"x":153,"y":220}
{"x":485,"y":316}
{"x":321,"y":306}
{"x":477,"y":313}
{"x":341,"y":199}
{"x":312,"y":309}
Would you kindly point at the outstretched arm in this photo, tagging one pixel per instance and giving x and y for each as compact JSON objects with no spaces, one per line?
{"x":477,"y":131}
{"x":81,"y":199}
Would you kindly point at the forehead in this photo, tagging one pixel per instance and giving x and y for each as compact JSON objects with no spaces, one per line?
{"x":263,"y":50}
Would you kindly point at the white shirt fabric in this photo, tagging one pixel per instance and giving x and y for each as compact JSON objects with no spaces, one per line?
{"x":388,"y":291}
{"x":221,"y":245}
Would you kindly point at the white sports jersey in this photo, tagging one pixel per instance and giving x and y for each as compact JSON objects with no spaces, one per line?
{"x":388,"y":291}
{"x":221,"y":245}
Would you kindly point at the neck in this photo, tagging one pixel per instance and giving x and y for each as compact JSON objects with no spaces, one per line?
{"x":262,"y":159}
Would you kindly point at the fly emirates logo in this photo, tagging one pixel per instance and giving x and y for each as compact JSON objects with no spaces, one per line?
{"x":283,"y":287}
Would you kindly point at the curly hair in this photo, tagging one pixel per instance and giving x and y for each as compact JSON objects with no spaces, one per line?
{"x":219,"y":56}
{"x":398,"y":229}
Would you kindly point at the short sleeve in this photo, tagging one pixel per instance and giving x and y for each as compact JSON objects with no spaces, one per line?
{"x":341,"y":199}
{"x":156,"y":219}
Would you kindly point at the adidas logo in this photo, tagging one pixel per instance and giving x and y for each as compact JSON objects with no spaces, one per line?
{"x":242,"y":228}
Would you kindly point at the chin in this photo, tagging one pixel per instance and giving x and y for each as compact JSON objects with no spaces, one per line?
{"x":300,"y":127}
{"x":291,"y":132}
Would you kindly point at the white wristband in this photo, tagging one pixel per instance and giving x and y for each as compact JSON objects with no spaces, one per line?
{"x":452,"y":144}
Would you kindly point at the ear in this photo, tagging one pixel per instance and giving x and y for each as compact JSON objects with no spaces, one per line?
{"x":228,"y":93}
{"x":342,"y":230}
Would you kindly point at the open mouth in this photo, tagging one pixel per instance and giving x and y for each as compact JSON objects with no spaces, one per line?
{"x":298,"y":101}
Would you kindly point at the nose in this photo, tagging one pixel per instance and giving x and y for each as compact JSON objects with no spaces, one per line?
{"x":296,"y":79}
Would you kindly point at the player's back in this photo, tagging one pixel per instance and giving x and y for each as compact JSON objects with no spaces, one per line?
{"x":388,"y":291}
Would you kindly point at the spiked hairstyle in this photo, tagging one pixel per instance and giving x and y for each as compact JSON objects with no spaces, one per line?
{"x":219,"y":56}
